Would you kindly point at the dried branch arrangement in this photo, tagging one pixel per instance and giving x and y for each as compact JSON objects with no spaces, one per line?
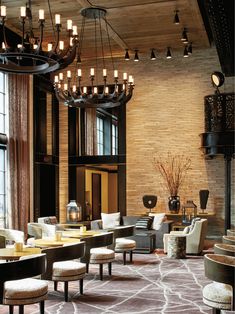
{"x":173,"y":169}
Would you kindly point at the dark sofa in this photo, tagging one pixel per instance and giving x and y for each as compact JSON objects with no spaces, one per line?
{"x":146,"y":240}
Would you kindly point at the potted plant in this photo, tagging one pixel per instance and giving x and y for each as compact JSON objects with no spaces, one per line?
{"x":173,"y":169}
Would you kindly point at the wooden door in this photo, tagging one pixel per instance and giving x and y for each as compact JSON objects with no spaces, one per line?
{"x":96,"y":196}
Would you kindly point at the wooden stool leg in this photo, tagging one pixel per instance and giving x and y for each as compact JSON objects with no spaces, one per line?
{"x":110,"y":268}
{"x":101,"y":271}
{"x":215,"y":311}
{"x":81,"y":286}
{"x":124,"y":257}
{"x":87,"y":268}
{"x":11,"y":309}
{"x":21,"y":309}
{"x":66,"y":291}
{"x":42,"y":306}
{"x":55,"y":285}
{"x":131,"y":256}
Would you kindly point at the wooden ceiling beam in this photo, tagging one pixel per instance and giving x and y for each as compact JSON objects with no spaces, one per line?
{"x":111,"y":31}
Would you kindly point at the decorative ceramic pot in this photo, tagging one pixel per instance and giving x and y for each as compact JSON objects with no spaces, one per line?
{"x":174,"y":203}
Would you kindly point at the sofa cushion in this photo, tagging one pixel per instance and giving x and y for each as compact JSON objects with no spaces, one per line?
{"x":157,"y":220}
{"x":144,"y":222}
{"x":110,"y":220}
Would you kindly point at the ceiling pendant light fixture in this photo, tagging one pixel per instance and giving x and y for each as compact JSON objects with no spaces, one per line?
{"x":168,"y":53}
{"x":176,"y":17}
{"x":127,"y":57}
{"x":153,"y":56}
{"x":186,"y":52}
{"x":190,"y":49}
{"x":95,"y":92}
{"x":184,"y":36}
{"x":28,"y":56}
{"x":136,"y":57}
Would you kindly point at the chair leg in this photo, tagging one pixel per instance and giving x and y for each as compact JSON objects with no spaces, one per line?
{"x":42,"y":307}
{"x":131,"y":256}
{"x":81,"y":286}
{"x":66,"y":291}
{"x":101,"y":271}
{"x":215,"y":311}
{"x":55,"y":285}
{"x":11,"y":309}
{"x":110,"y":268}
{"x":21,"y":309}
{"x":124,"y":257}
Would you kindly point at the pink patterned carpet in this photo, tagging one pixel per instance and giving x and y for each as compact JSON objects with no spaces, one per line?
{"x":154,"y":283}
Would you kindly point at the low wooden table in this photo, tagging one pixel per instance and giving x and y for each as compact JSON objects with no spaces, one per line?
{"x":51,"y":242}
{"x":78,"y":234}
{"x":11,"y":254}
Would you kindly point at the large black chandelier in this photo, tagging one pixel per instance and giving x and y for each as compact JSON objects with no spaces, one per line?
{"x":28,"y":56}
{"x":98,"y":93}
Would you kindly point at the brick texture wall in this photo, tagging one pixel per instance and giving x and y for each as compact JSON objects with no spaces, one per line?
{"x":166,"y":114}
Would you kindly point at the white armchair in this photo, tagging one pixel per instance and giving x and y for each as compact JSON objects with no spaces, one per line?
{"x":12,"y":235}
{"x":194,"y":239}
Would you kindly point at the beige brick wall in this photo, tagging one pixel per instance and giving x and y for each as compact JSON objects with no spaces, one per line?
{"x":166,"y":114}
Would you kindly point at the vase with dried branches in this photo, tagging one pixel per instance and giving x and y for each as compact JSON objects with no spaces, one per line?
{"x":173,"y":169}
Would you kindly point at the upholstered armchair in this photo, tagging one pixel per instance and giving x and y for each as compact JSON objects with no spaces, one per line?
{"x":12,"y":235}
{"x":194,"y":239}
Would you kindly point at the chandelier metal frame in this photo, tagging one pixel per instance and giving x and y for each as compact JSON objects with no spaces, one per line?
{"x":28,"y":57}
{"x":73,"y":94}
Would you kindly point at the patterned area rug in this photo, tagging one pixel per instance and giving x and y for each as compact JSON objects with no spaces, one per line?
{"x":154,"y":283}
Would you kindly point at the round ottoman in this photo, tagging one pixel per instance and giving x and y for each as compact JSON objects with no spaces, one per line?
{"x":124,"y":245}
{"x":176,"y":246}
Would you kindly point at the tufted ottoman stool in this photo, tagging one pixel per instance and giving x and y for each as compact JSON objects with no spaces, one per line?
{"x":102,"y":256}
{"x":25,"y":291}
{"x":219,"y":294}
{"x":66,"y":271}
{"x":124,"y":245}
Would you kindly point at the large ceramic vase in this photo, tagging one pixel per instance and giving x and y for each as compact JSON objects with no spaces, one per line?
{"x":174,"y":204}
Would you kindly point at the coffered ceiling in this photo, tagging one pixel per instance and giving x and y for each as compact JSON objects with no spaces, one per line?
{"x":133,"y":24}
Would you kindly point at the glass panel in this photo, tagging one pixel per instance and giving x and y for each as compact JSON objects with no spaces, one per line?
{"x":2,"y":160}
{"x":2,"y":211}
{"x":2,"y":182}
{"x":2,"y":82}
{"x":2,"y":104}
{"x":2,"y":123}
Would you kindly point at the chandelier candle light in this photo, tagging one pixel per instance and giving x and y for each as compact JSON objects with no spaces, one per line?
{"x":28,"y":57}
{"x":70,"y":90}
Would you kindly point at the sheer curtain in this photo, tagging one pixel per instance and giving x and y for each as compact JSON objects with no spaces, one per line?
{"x":91,"y":132}
{"x":19,"y":150}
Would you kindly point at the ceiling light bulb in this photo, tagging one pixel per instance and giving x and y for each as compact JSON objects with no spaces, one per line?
{"x":176,"y":18}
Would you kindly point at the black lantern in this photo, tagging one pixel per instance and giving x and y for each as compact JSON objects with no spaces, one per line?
{"x":189,"y":212}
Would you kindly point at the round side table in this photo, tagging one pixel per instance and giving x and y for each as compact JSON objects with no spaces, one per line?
{"x":176,"y":246}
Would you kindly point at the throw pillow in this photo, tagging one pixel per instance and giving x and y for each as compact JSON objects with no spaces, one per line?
{"x":110,"y":220}
{"x":144,"y":222}
{"x":193,"y":223}
{"x":157,"y":220}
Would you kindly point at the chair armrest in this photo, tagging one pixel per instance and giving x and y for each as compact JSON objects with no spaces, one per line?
{"x":96,"y":224}
{"x":166,"y":226}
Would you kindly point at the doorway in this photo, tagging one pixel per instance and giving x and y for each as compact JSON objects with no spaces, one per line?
{"x":96,"y":196}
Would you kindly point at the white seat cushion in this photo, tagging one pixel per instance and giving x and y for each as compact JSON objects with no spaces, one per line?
{"x":124,"y":244}
{"x":101,"y":256}
{"x":218,"y":295}
{"x":24,"y":291}
{"x":68,"y":271}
